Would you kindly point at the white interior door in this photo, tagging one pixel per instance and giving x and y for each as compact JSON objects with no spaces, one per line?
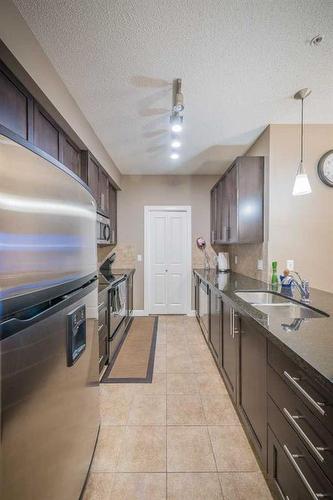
{"x":168,"y":262}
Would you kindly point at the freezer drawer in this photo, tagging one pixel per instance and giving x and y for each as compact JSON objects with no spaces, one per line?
{"x":50,"y":411}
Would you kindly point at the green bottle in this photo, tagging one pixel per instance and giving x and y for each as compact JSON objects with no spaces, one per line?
{"x":275,"y":279}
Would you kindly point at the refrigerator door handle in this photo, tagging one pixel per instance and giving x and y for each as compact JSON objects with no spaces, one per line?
{"x":37,"y":313}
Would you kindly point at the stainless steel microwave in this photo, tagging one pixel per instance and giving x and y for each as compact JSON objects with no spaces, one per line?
{"x":103,"y":230}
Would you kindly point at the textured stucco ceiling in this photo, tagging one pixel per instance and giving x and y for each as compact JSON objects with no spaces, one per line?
{"x":240,"y":61}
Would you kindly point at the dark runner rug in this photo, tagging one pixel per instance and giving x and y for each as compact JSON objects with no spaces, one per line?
{"x":134,"y":361}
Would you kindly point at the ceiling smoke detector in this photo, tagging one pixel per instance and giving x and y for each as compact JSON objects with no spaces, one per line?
{"x":316,"y":40}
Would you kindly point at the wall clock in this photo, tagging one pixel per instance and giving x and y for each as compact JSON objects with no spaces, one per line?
{"x":325,"y":168}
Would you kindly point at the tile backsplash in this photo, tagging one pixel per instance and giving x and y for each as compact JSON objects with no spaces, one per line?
{"x":247,"y":259}
{"x":125,"y":255}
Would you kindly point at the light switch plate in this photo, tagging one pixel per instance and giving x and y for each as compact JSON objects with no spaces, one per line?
{"x":236,"y":259}
{"x":290,"y":265}
{"x":260,"y":265}
{"x":139,"y":257}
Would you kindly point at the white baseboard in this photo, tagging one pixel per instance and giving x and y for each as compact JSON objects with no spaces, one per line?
{"x":142,"y":312}
{"x":191,"y":313}
{"x":139,"y":312}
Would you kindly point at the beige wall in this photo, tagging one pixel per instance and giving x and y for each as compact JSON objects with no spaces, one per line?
{"x":16,"y":34}
{"x":301,"y":227}
{"x":297,"y":227}
{"x":138,"y":191}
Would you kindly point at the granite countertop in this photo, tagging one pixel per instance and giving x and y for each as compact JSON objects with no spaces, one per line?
{"x":117,"y":273}
{"x":310,"y":345}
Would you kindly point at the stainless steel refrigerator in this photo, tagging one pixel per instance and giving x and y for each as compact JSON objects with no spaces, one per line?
{"x":48,"y":327}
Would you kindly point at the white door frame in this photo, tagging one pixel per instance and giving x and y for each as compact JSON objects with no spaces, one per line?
{"x":188,"y":252}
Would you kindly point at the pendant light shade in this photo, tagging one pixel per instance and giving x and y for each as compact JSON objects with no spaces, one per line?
{"x":302,"y":184}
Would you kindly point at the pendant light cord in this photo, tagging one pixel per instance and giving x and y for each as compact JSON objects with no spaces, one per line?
{"x":302,"y":130}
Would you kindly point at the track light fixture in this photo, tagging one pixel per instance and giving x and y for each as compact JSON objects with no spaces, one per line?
{"x":176,"y":122}
{"x":175,"y":143}
{"x":176,"y":118}
{"x":178,"y":96}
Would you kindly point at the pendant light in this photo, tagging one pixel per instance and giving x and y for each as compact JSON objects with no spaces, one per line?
{"x":302,"y":184}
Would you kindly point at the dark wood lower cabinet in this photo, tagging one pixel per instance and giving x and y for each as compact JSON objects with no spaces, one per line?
{"x":291,"y":469}
{"x":287,"y":415}
{"x":252,"y":384}
{"x":229,"y":349}
{"x":215,"y":336}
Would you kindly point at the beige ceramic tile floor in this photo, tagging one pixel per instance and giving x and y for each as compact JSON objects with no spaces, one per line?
{"x":178,"y":438}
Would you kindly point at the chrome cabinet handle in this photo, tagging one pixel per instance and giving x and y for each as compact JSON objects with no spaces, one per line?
{"x":213,"y":235}
{"x":294,"y":381}
{"x":234,"y":315}
{"x":100,"y":328}
{"x":306,"y":483}
{"x":292,"y":419}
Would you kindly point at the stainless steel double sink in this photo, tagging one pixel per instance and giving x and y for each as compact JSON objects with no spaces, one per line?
{"x":271,"y":302}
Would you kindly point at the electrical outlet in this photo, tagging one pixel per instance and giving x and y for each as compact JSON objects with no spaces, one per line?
{"x":260,"y":265}
{"x":290,"y":265}
{"x":139,"y":257}
{"x":236,"y":259}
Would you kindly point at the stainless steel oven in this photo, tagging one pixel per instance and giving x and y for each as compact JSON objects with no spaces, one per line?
{"x":118,"y":304}
{"x":103,"y":230}
{"x":118,"y":312}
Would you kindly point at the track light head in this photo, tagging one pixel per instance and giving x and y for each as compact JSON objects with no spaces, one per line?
{"x":176,"y":122}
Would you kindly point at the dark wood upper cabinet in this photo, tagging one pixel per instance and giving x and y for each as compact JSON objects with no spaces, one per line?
{"x":251,"y":200}
{"x":23,"y":117}
{"x":16,"y":105}
{"x":47,"y":135}
{"x":213,"y":213}
{"x":71,"y":155}
{"x":237,"y":213}
{"x":91,"y":168}
{"x":113,"y":213}
{"x":229,"y":207}
{"x":103,"y":190}
{"x":252,"y":384}
{"x":222,"y":216}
